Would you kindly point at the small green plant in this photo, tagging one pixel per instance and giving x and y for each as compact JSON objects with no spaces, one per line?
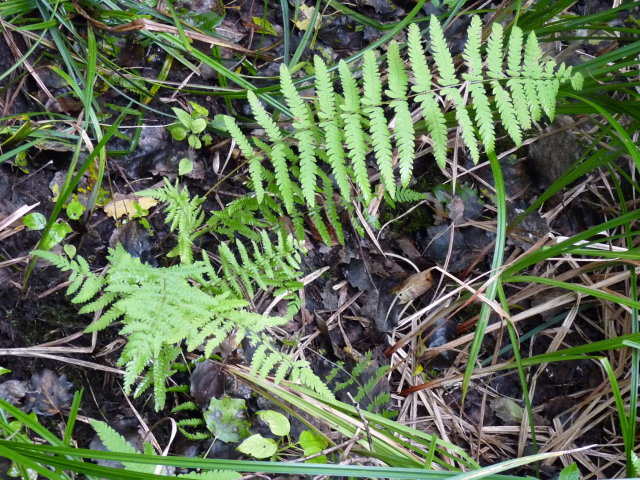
{"x":191,"y":126}
{"x":362,"y":381}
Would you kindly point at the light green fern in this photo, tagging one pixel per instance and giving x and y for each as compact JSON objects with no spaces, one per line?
{"x":190,"y":304}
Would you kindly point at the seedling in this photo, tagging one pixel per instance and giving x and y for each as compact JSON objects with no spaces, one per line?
{"x":191,"y":126}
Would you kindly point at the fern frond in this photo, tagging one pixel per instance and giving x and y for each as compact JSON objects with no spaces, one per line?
{"x":494,"y":52}
{"x":354,"y":133}
{"x":514,"y":55}
{"x":329,"y":123}
{"x":515,"y":83}
{"x":418,"y":60}
{"x":532,"y":71}
{"x":276,"y":153}
{"x":254,"y":158}
{"x":302,"y":123}
{"x":464,"y":121}
{"x":182,"y":213}
{"x":378,"y":129}
{"x":471,"y":55}
{"x":441,"y":54}
{"x":431,"y":112}
{"x":507,"y":112}
{"x":403,"y":123}
{"x":397,"y":80}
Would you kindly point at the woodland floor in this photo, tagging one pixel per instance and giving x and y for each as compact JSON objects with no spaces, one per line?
{"x":350,"y":309}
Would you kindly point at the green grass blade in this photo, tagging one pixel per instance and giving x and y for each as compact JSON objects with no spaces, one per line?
{"x":496,"y":264}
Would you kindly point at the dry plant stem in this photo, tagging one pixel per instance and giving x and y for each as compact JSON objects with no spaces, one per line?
{"x":364,"y":421}
{"x":151,"y":26}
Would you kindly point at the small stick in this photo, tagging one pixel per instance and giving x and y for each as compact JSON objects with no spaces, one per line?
{"x":365,"y":423}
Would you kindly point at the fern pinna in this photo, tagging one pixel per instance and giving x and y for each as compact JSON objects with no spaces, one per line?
{"x":338,"y":133}
{"x":190,"y":304}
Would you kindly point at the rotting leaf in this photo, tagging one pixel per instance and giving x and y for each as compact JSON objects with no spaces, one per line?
{"x":48,"y":393}
{"x":122,"y":205}
{"x":207,"y":382}
{"x":506,"y":410}
{"x":414,"y":286}
{"x":304,"y":19}
{"x":226,"y":419}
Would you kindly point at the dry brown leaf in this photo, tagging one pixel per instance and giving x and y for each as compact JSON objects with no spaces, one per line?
{"x":414,"y":286}
{"x":122,"y":205}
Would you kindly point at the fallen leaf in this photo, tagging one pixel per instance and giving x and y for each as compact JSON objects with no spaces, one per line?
{"x":304,"y":19}
{"x":414,"y":286}
{"x":122,"y":205}
{"x":506,"y":410}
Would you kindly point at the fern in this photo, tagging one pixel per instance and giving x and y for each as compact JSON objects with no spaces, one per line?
{"x":357,"y":127}
{"x":378,"y":130}
{"x":329,"y":122}
{"x":354,"y":133}
{"x":361,"y":392}
{"x":190,"y":303}
{"x":403,"y":123}
{"x":276,"y":153}
{"x":183,"y":214}
{"x":302,"y":124}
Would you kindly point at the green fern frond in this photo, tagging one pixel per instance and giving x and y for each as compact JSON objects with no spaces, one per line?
{"x":532,"y":71}
{"x":418,"y":61}
{"x":403,"y":123}
{"x":378,"y":129}
{"x":441,"y":54}
{"x":507,"y":112}
{"x":431,"y":112}
{"x":514,"y":55}
{"x":276,"y":153}
{"x":464,"y":121}
{"x":254,"y":158}
{"x":302,"y":123}
{"x":471,"y":55}
{"x":354,"y":133}
{"x":358,"y":122}
{"x":494,"y":52}
{"x":183,"y":214}
{"x":329,"y":123}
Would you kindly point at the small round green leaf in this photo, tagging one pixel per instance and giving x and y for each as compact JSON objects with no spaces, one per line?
{"x":183,"y":116}
{"x":258,"y":447}
{"x":194,"y":142}
{"x":277,"y":422}
{"x":185,"y":166}
{"x":34,"y":221}
{"x":70,"y":250}
{"x":75,"y":210}
{"x":178,"y":133}
{"x":198,"y":125}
